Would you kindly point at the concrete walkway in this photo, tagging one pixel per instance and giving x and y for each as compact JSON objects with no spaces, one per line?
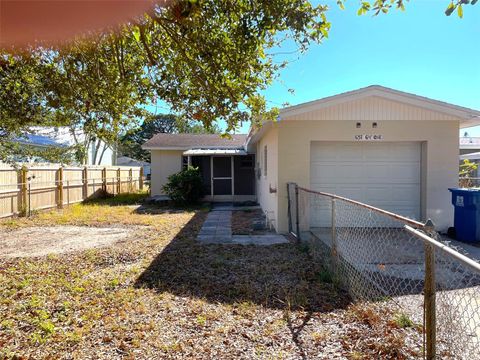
{"x":217,"y":229}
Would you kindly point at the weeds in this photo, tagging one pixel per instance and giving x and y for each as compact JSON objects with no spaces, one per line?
{"x":163,"y":295}
{"x":325,"y":276}
{"x":403,"y":321}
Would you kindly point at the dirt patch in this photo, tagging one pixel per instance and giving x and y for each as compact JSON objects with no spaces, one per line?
{"x":247,"y":222}
{"x":40,"y":241}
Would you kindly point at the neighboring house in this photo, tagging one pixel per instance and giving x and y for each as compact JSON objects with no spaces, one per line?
{"x":128,"y":161}
{"x":98,"y":153}
{"x":37,"y":143}
{"x":469,"y":144}
{"x":384,"y":147}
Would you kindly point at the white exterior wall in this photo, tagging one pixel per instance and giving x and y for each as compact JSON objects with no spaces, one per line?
{"x":439,"y":153}
{"x":396,"y":122}
{"x":266,"y":199}
{"x":108,"y":157}
{"x":164,"y":163}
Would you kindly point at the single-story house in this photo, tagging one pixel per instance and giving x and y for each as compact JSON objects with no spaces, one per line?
{"x":97,"y":153}
{"x":391,"y":149}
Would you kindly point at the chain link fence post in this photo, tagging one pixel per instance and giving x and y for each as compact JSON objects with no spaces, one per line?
{"x":429,"y":294}
{"x":289,"y":209}
{"x":334,"y":239}
{"x":297,"y":215}
{"x":429,"y":302}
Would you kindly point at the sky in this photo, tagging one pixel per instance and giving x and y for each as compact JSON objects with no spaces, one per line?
{"x":421,"y":51}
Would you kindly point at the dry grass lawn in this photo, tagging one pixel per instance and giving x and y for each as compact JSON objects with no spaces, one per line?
{"x":162,"y":295}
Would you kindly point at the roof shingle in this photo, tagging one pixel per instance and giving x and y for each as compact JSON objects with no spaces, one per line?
{"x":194,"y":141}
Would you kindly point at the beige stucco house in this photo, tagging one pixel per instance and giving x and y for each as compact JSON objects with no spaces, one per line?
{"x":387,"y":148}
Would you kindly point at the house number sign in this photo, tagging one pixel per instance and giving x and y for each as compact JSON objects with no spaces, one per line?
{"x":368,"y":137}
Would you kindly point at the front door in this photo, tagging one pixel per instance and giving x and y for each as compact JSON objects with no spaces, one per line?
{"x":222,"y":179}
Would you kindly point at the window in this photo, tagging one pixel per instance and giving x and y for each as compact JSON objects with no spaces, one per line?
{"x":184,"y":162}
{"x":265,"y":160}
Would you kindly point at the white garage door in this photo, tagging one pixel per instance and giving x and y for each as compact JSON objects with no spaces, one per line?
{"x":385,"y":175}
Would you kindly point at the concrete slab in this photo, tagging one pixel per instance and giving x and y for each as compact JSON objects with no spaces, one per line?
{"x":217,"y":229}
{"x":261,"y":240}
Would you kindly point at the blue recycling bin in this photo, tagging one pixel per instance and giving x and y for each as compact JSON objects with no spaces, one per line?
{"x":467,"y":214}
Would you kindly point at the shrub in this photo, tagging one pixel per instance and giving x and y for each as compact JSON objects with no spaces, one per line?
{"x":185,"y":187}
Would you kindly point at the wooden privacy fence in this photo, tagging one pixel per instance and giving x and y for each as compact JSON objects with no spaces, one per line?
{"x":42,"y":187}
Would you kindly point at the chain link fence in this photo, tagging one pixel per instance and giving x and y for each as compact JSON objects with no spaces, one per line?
{"x":377,"y":255}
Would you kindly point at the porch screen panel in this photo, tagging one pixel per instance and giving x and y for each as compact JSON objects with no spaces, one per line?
{"x":244,"y":175}
{"x":222,"y":167}
{"x":203,"y":163}
{"x":222,"y":187}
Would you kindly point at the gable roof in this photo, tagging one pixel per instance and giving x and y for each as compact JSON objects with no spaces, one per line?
{"x":194,"y":141}
{"x":471,"y":116}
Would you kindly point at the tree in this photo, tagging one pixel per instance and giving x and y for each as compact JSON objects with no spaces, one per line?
{"x":384,"y":6}
{"x":95,"y":88}
{"x":131,"y":143}
{"x":209,"y":59}
{"x":467,"y":170}
{"x":21,"y":98}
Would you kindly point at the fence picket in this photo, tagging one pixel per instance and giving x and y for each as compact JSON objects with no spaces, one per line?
{"x":35,"y":187}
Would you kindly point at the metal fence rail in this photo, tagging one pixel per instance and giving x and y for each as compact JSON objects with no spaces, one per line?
{"x":376,"y":255}
{"x":27,"y":189}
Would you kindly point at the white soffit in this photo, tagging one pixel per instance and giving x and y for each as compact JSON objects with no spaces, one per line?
{"x":193,"y":152}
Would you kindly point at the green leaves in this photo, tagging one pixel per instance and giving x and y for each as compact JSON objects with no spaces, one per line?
{"x":364,"y":8}
{"x":207,"y":59}
{"x":450,"y":9}
{"x":458,"y":5}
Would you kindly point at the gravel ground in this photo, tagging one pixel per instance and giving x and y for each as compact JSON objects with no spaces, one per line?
{"x":39,"y":241}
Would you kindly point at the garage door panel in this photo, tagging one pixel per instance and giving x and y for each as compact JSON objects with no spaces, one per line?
{"x":409,"y":194}
{"x":334,"y":151}
{"x":399,"y":194}
{"x":385,"y":175}
{"x":375,"y":173}
{"x":405,"y":173}
{"x":326,"y":173}
{"x":351,"y":192}
{"x":406,"y":152}
{"x":365,"y":172}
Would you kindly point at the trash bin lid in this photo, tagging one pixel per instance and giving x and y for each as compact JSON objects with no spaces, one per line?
{"x":465,"y":190}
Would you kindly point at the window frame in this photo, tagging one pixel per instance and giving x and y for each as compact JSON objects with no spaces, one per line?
{"x":184,"y":162}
